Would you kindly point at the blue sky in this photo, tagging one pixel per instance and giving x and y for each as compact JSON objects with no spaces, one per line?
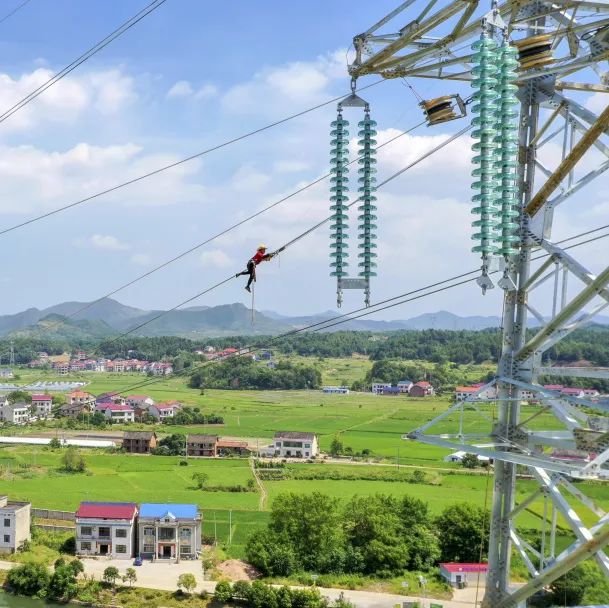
{"x":189,"y":76}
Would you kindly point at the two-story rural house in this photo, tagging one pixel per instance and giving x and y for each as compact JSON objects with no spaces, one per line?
{"x":15,"y":524}
{"x":106,"y":528}
{"x":169,"y":532}
{"x":296,"y":444}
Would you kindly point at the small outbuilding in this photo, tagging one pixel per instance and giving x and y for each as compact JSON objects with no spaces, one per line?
{"x":456,"y":574}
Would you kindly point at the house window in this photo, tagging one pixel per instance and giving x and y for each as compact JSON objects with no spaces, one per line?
{"x":166,"y":534}
{"x":86,"y":530}
{"x":121,"y":533}
{"x":148,"y":548}
{"x":185,"y":533}
{"x":148,"y":531}
{"x":307,"y":445}
{"x":184,"y":550}
{"x":121,"y":548}
{"x":7,"y":522}
{"x":104,"y":532}
{"x":85,"y":546}
{"x":7,"y":538}
{"x":306,"y":453}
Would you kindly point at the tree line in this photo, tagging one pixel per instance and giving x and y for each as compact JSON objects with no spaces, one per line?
{"x":244,"y":373}
{"x":369,"y":535}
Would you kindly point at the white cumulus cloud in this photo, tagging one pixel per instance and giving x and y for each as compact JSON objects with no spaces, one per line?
{"x":107,"y":242}
{"x":217,"y":258}
{"x":182,"y":88}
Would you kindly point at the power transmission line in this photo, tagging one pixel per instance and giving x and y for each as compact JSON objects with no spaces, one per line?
{"x":404,"y":298}
{"x":11,"y":13}
{"x":208,"y":240}
{"x":177,"y":163}
{"x":301,"y":235}
{"x":124,"y":27}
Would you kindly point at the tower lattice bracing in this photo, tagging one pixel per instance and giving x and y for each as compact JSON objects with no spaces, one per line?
{"x":529,"y":70}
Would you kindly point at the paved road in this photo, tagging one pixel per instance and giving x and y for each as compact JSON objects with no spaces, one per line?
{"x":165,"y":575}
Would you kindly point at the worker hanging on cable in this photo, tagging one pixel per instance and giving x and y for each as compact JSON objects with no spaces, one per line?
{"x":260,"y":256}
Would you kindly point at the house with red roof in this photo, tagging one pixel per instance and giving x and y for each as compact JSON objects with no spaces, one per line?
{"x":421,"y":389}
{"x":142,"y":402}
{"x":461,"y":574}
{"x":167,"y":409}
{"x":106,"y":528}
{"x":117,"y":413}
{"x":42,"y":405}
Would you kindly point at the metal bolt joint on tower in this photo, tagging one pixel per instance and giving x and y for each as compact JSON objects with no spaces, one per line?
{"x":556,"y":49}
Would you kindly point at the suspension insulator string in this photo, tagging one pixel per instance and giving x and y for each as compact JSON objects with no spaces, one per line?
{"x":339,"y":161}
{"x":485,"y":84}
{"x":507,"y":152}
{"x":367,"y":187}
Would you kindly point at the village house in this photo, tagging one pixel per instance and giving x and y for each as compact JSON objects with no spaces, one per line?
{"x":80,"y":355}
{"x":377,"y":387}
{"x":15,"y":524}
{"x":42,"y":406}
{"x":421,"y":389}
{"x":232,"y":447}
{"x":296,"y":444}
{"x":167,"y":409}
{"x":112,"y":397}
{"x":106,"y":528}
{"x":336,"y":390}
{"x":404,"y":386}
{"x":201,"y":445}
{"x":463,"y":392}
{"x":81,"y":398}
{"x":169,"y":532}
{"x":142,"y":402}
{"x":139,"y":442}
{"x":6,"y":373}
{"x":15,"y":413}
{"x":117,"y":413}
{"x":77,"y":366}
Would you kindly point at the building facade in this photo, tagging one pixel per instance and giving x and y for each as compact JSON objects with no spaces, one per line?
{"x":296,"y":444}
{"x":421,"y":389}
{"x":15,"y":520}
{"x":139,"y":442}
{"x":377,"y":387}
{"x":202,"y":445}
{"x":169,"y":532}
{"x":42,"y":405}
{"x":15,"y":413}
{"x":117,"y":413}
{"x":106,"y":529}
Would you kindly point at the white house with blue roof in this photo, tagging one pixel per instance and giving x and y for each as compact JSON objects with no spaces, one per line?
{"x":169,"y":532}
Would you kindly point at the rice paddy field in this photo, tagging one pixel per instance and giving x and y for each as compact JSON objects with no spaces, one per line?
{"x":362,"y":421}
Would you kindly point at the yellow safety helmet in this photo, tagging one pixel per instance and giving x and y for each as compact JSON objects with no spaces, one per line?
{"x":262,"y":246}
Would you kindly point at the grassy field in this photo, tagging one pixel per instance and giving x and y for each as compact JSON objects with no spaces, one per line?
{"x":363,"y":421}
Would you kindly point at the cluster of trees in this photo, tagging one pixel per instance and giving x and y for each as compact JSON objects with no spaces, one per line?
{"x":73,"y":461}
{"x":261,"y":595}
{"x":193,"y":415}
{"x":244,"y":373}
{"x":373,"y":535}
{"x":172,"y":445}
{"x":35,"y":580}
{"x":443,"y":376}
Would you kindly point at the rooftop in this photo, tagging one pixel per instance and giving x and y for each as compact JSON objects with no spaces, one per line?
{"x":107,"y":510}
{"x":139,"y":435}
{"x":159,"y":511}
{"x":294,"y":435}
{"x":466,"y":567}
{"x":41,"y":397}
{"x":202,"y":438}
{"x":116,"y":407}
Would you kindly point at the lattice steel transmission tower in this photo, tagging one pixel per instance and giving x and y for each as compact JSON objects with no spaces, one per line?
{"x":561,"y":48}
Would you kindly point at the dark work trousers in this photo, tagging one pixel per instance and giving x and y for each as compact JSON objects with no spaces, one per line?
{"x":251,"y":271}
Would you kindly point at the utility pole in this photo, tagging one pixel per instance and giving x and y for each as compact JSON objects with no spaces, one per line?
{"x":12,"y":354}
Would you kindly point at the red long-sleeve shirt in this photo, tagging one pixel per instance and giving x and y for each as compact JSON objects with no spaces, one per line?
{"x":258,"y":257}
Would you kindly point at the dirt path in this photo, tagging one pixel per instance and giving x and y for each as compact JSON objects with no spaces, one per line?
{"x":263,"y":493}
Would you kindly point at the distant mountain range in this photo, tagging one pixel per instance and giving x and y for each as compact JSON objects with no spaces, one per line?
{"x":109,"y":317}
